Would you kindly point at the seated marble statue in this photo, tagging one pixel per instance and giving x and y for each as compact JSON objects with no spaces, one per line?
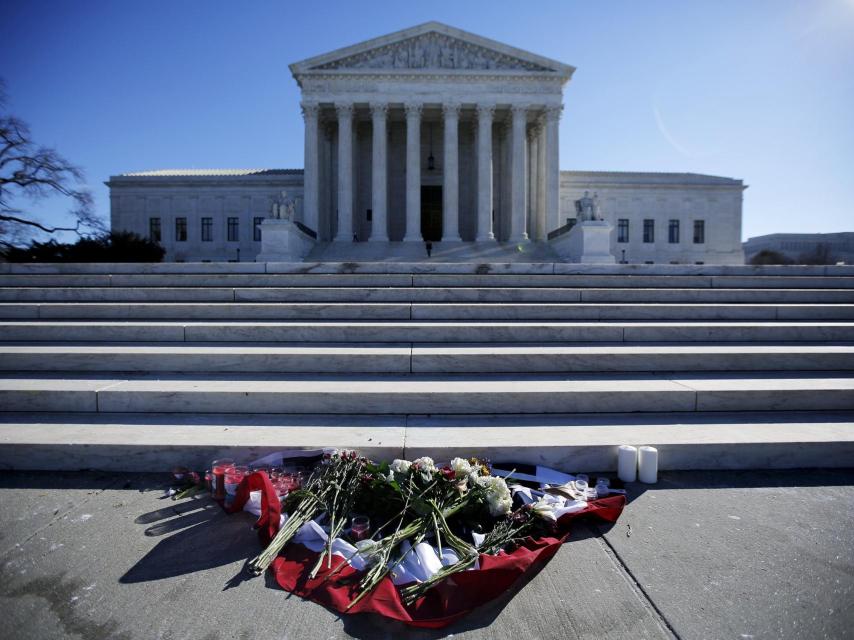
{"x":587,"y":208}
{"x":283,"y":208}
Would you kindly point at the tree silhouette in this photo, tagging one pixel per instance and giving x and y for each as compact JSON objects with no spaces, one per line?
{"x":29,"y":173}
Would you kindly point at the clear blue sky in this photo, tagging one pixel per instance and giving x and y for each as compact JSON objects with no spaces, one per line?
{"x":759,"y":90}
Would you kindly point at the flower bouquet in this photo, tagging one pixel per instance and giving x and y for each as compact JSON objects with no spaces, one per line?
{"x":413,"y":541}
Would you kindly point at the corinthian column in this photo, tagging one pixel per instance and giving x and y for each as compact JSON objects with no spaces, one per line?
{"x":517,"y":182}
{"x":451,"y":190}
{"x":413,"y":172}
{"x":311,"y":175}
{"x":541,"y":226}
{"x":533,"y":180}
{"x":552,"y":168}
{"x":484,"y":172}
{"x":345,"y":171}
{"x":379,"y":227}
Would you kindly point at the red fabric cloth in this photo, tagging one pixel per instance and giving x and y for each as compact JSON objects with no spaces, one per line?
{"x":271,"y":507}
{"x":449,"y":600}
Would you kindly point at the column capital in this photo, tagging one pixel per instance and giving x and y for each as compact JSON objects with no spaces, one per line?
{"x":413,"y":109}
{"x":379,"y":109}
{"x":344,"y":109}
{"x":534,"y":131}
{"x":485,"y":110}
{"x":309,"y":109}
{"x":553,"y":113}
{"x":519,"y":111}
{"x":451,"y":109}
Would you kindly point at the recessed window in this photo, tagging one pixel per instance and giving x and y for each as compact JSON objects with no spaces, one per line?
{"x":233,"y":228}
{"x":699,"y":231}
{"x":673,"y":232}
{"x":207,"y":229}
{"x":180,"y":229}
{"x":648,"y":230}
{"x":256,"y":228}
{"x":369,"y":215}
{"x":154,"y":229}
{"x":623,"y":230}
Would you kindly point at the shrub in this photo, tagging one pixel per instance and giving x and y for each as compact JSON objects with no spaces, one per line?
{"x":121,"y":246}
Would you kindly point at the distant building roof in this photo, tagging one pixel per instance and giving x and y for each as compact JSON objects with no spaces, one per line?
{"x":654,"y":177}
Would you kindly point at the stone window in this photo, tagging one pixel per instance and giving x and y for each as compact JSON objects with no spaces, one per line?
{"x":207,"y":229}
{"x":233,"y":228}
{"x":154,"y":229}
{"x":623,"y":230}
{"x":256,"y":228}
{"x":673,"y":232}
{"x":648,"y":230}
{"x":699,"y":231}
{"x":180,"y":229}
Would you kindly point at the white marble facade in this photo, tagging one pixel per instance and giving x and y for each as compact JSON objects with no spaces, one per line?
{"x":434,"y":134}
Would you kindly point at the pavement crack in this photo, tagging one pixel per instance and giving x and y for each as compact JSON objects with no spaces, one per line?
{"x":59,"y":515}
{"x":633,"y":582}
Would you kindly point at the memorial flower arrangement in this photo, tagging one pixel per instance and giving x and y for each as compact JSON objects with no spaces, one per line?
{"x":412,"y":540}
{"x":460,"y":509}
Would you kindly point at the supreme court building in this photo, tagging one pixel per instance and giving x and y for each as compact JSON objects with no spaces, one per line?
{"x":430,"y":134}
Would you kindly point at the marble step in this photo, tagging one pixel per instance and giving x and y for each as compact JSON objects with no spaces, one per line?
{"x":420,"y":358}
{"x":151,"y":442}
{"x":571,"y":442}
{"x":435,"y":332}
{"x":423,"y":311}
{"x":419,"y":294}
{"x":419,"y":266}
{"x":437,"y":394}
{"x":389,"y":278}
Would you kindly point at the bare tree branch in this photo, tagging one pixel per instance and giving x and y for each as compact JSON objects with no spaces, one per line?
{"x":31,"y":173}
{"x":33,"y":223}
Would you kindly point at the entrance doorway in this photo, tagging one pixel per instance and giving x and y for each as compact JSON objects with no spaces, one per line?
{"x":431,"y":213}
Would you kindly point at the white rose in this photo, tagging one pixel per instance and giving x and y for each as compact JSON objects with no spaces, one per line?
{"x":461,"y":467}
{"x":401,"y":467}
{"x":425,"y":464}
{"x":498,"y":496}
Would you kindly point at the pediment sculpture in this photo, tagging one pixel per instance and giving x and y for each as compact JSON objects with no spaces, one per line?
{"x":432,"y":51}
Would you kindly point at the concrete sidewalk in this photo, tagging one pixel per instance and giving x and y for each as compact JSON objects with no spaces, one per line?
{"x":699,"y":555}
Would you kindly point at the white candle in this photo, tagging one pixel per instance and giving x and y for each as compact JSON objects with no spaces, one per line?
{"x":627,"y":463}
{"x":648,"y":465}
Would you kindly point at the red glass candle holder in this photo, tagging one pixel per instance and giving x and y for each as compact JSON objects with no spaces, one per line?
{"x":218,"y":470}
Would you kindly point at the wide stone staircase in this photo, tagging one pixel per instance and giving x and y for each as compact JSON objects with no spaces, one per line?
{"x":139,"y":367}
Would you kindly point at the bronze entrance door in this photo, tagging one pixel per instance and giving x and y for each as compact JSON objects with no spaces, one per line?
{"x":431,"y":213}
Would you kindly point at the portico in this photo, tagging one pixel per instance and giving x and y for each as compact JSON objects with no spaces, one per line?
{"x":431,"y":133}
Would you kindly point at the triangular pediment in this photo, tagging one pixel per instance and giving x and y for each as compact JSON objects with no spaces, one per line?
{"x":431,"y":47}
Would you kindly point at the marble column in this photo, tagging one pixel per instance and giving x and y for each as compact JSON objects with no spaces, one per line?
{"x":311,"y":176}
{"x":552,"y":170}
{"x":379,"y":173}
{"x":533,"y":182}
{"x":345,"y":172}
{"x":541,"y":226}
{"x":413,"y":172}
{"x":485,"y":113}
{"x":517,"y":181}
{"x":451,"y":172}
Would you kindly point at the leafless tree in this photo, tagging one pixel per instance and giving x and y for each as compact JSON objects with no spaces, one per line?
{"x":29,"y":173}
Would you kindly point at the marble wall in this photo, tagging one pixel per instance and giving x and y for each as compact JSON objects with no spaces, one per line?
{"x":633,"y":196}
